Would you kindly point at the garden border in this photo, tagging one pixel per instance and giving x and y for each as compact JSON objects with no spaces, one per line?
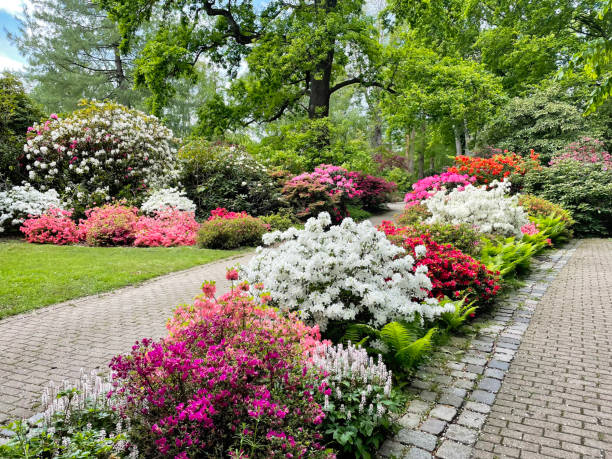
{"x":452,"y":400}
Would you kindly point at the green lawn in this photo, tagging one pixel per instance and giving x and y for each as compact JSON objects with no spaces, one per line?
{"x":33,"y":276}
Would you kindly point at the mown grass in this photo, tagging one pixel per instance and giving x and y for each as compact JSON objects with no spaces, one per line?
{"x":33,"y":276}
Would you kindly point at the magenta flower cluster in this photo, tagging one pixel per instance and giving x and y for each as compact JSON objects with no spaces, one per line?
{"x":235,"y":383}
{"x":334,"y":176}
{"x":426,"y":187}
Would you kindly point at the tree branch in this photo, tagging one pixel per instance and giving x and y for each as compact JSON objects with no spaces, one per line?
{"x":359,"y":80}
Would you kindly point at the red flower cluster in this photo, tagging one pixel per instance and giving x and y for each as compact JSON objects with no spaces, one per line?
{"x":374,"y":190}
{"x":498,"y":167}
{"x":222,"y":212}
{"x":52,"y":227}
{"x":452,"y":273}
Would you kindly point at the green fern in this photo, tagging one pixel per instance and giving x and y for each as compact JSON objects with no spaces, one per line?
{"x":416,"y":351}
{"x":456,"y":318}
{"x":397,"y":335}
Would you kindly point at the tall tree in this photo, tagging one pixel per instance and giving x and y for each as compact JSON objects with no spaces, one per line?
{"x":298,"y":53}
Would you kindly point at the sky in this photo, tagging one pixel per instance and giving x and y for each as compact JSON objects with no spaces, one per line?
{"x":10,"y":59}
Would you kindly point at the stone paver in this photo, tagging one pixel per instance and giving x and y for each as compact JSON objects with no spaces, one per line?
{"x":55,"y":342}
{"x":556,"y":398}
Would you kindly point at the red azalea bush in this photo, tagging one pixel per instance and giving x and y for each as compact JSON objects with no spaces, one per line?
{"x":375,"y":191}
{"x":111,"y":224}
{"x":452,"y":273}
{"x":222,"y":212}
{"x":497,"y":167}
{"x":168,"y":227}
{"x":234,"y":383}
{"x":52,"y":227}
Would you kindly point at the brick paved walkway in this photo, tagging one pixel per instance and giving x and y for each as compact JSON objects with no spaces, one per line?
{"x":54,"y":343}
{"x":556,"y":399}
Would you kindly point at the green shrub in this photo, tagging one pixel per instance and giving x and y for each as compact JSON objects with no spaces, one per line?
{"x":281,"y":221}
{"x":553,"y":228}
{"x":413,"y":215}
{"x":221,"y":233}
{"x":536,"y":206}
{"x":217,"y":174}
{"x":18,"y":113}
{"x":585,"y":190}
{"x":462,"y":236}
{"x":357,"y":213}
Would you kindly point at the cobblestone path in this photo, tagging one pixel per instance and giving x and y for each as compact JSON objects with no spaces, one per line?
{"x":556,"y":399}
{"x":55,"y":342}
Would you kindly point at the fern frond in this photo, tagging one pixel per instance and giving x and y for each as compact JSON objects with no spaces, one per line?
{"x":413,"y":353}
{"x":359,"y":334}
{"x":397,"y":335}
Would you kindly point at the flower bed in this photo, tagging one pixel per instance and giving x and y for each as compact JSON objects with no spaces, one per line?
{"x":498,"y":167}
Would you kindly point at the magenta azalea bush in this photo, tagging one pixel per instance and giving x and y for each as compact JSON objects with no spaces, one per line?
{"x":427,"y":187}
{"x":236,"y":382}
{"x":111,"y":224}
{"x":52,"y":227}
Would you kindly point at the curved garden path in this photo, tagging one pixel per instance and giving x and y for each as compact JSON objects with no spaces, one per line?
{"x":55,"y":342}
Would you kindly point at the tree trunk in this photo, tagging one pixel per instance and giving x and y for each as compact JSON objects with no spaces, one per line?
{"x":458,"y":148}
{"x":410,"y":151}
{"x":320,"y":85}
{"x":467,"y":137}
{"x":432,"y":162}
{"x":376,"y":140}
{"x":421,"y":158}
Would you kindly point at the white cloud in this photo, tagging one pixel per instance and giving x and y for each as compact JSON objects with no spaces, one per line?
{"x":13,"y":6}
{"x":6,"y":63}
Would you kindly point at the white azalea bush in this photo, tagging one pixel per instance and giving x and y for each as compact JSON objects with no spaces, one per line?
{"x":348,"y":272}
{"x":165,"y":198}
{"x":99,"y":152}
{"x":18,"y":202}
{"x":489,"y":209}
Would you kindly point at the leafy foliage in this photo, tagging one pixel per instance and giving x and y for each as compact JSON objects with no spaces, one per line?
{"x":462,"y":236}
{"x":585,"y":190}
{"x":218,"y":174}
{"x":223,"y":233}
{"x":508,"y":256}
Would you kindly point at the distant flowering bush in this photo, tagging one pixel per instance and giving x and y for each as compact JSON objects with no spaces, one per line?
{"x":167,"y":228}
{"x":236,"y":383}
{"x":498,"y":167}
{"x":341,"y":273}
{"x":19,"y":202}
{"x":488,"y":209}
{"x":167,"y":197}
{"x":586,"y":150}
{"x":426,"y":187}
{"x":358,"y":402}
{"x":336,"y":178}
{"x":111,"y":224}
{"x":452,"y":273}
{"x":375,"y":191}
{"x":309,"y":196}
{"x":101,"y":151}
{"x":229,"y":230}
{"x":53,"y":227}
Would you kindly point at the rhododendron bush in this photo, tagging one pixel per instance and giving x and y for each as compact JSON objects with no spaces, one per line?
{"x":452,"y":273}
{"x":348,"y":272}
{"x":498,"y":167}
{"x":99,"y":152}
{"x":111,"y":224}
{"x":19,"y":202}
{"x":586,"y":150}
{"x":487,"y":208}
{"x":426,"y":187}
{"x":53,"y":227}
{"x":165,"y":198}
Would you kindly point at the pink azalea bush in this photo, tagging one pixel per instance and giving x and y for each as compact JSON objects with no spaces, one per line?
{"x":530,"y":228}
{"x":335,"y":177}
{"x":223,"y":213}
{"x":111,"y":224}
{"x":52,"y":227}
{"x":168,"y":227}
{"x":233,"y":379}
{"x":586,"y":150}
{"x":426,"y":187}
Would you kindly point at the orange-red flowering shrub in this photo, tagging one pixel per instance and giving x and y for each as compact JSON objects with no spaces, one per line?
{"x":498,"y":167}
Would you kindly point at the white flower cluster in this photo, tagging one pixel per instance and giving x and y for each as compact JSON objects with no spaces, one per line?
{"x":490,"y":210}
{"x":20,"y":201}
{"x":352,"y":374}
{"x":167,"y":197}
{"x":100,"y":150}
{"x":345,"y":272}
